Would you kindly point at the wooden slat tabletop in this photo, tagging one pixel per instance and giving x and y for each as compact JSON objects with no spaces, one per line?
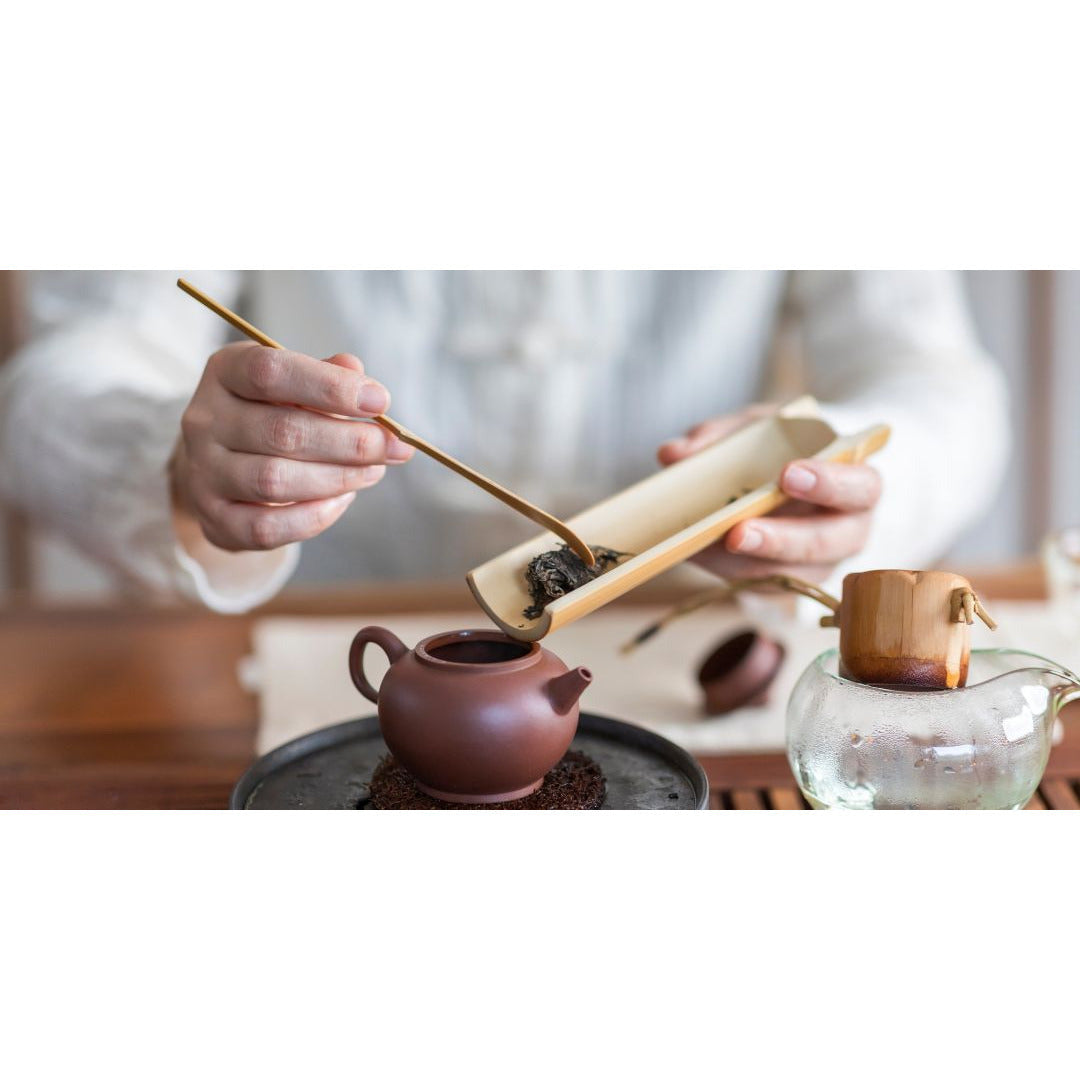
{"x":136,"y":708}
{"x":764,"y":781}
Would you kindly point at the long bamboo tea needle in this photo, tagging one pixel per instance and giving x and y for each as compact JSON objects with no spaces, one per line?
{"x":515,"y":502}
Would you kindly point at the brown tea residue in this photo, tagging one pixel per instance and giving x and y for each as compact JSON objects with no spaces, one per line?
{"x":555,"y":573}
{"x":576,"y":783}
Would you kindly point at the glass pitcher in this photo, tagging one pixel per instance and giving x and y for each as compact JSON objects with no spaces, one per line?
{"x":983,"y":746}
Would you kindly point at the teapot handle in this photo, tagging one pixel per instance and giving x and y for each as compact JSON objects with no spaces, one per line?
{"x":390,"y":644}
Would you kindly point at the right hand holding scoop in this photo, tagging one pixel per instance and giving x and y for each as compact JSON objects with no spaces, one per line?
{"x":265,"y":457}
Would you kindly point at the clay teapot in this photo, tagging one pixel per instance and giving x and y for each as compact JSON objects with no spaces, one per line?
{"x":473,"y":715}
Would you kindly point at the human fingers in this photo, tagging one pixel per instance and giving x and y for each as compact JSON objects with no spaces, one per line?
{"x":710,"y":431}
{"x":258,"y":478}
{"x":236,"y":526}
{"x":832,"y":485}
{"x":346,"y":360}
{"x":820,"y":538}
{"x":277,"y":376}
{"x":304,"y":435}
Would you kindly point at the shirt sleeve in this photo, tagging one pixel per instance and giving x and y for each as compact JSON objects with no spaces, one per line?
{"x":898,"y":347}
{"x":89,"y":414}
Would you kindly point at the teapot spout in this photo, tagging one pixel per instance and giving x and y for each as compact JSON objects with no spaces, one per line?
{"x":564,"y":690}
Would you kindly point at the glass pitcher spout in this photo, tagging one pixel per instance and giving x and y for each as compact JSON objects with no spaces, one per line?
{"x":1063,"y":685}
{"x":1020,"y":668}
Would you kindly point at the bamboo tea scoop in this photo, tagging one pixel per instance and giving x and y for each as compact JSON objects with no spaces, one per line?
{"x":515,"y":502}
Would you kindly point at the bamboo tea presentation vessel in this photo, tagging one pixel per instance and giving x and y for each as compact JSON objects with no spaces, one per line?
{"x":907,"y":628}
{"x":671,"y":515}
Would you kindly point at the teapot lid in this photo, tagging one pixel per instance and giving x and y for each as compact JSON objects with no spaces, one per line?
{"x":740,"y":671}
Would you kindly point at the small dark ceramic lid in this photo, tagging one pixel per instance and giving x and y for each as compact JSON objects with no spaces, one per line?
{"x":739,"y":672}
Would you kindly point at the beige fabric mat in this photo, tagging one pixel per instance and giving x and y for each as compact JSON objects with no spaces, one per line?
{"x":299,"y":667}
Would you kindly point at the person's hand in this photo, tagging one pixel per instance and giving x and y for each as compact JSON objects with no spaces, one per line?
{"x":828,"y":521}
{"x":261,"y":462}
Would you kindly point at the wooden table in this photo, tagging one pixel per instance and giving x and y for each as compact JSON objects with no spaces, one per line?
{"x":136,"y":708}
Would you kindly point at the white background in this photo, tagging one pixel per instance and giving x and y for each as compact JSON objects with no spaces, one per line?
{"x":486,"y":134}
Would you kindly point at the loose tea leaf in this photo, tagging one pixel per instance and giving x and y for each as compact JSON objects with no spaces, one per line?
{"x":555,"y":573}
{"x":576,"y":783}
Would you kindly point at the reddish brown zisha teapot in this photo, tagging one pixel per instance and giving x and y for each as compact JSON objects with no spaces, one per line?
{"x":475,"y":716}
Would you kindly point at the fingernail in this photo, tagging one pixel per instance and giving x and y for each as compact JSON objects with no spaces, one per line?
{"x":751,"y":540}
{"x":373,"y":399}
{"x":343,"y":500}
{"x":799,"y":479}
{"x":396,"y":450}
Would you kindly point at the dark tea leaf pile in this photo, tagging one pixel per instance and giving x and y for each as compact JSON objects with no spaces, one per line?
{"x":576,"y":783}
{"x":555,"y":573}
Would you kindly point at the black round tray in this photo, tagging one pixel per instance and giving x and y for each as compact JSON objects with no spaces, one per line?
{"x":329,"y":769}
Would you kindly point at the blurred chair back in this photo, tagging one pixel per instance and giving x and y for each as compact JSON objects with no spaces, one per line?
{"x":18,"y":575}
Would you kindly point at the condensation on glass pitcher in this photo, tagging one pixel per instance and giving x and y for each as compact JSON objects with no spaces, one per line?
{"x":872,"y":749}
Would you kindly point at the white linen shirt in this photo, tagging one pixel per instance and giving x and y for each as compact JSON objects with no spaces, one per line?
{"x":559,"y":384}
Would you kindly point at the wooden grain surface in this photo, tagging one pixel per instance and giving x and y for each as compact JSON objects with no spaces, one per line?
{"x":122,"y":710}
{"x":103,"y":709}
